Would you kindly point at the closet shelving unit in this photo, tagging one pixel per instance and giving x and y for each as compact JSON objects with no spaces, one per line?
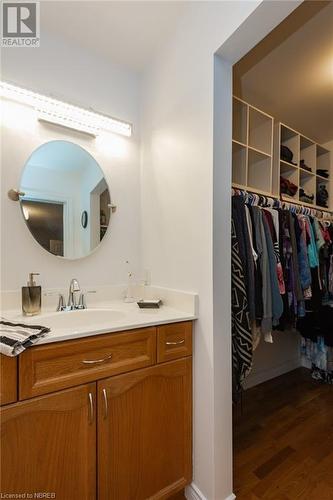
{"x":257,"y":164}
{"x":252,"y":148}
{"x":305,"y":152}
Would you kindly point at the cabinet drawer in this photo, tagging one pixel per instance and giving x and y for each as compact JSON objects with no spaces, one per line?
{"x":174,"y":341}
{"x":52,"y":367}
{"x":8,"y":379}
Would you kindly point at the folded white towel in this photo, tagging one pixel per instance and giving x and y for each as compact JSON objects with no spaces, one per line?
{"x":16,"y":337}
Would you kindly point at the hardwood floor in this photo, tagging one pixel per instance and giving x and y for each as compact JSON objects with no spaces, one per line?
{"x":283,"y":441}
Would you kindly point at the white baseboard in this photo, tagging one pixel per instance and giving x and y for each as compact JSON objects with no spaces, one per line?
{"x":263,"y":375}
{"x":192,"y":492}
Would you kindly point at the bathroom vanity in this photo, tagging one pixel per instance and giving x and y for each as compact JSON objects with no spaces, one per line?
{"x":101,"y":407}
{"x":105,"y":417}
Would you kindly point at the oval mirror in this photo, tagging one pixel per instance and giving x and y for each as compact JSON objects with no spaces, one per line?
{"x":61,"y":181}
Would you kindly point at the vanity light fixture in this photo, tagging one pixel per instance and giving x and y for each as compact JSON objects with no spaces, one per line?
{"x":64,"y":114}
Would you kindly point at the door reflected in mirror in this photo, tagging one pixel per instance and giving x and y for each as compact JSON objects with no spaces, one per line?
{"x":61,"y":182}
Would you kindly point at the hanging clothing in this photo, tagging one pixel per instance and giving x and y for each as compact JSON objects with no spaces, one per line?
{"x":282,"y":278}
{"x":245,"y":252}
{"x":276,"y":238}
{"x":277,"y":304}
{"x":258,"y":279}
{"x":263,"y":259}
{"x":241,"y":330}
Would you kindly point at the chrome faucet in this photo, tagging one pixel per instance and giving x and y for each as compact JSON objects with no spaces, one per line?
{"x":73,"y":288}
{"x":72,"y":303}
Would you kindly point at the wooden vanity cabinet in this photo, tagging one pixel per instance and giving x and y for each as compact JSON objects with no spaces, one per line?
{"x":8,"y":380}
{"x":48,"y":445}
{"x":174,"y":341}
{"x":52,"y":367}
{"x":145,"y":432}
{"x":125,"y":434}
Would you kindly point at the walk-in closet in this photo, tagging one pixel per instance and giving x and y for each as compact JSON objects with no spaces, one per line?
{"x":282,"y":261}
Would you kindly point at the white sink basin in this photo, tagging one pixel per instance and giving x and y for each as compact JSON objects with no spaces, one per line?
{"x":74,"y":320}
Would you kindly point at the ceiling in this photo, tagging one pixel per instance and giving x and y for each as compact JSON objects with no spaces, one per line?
{"x":290,"y":73}
{"x":127,"y":33}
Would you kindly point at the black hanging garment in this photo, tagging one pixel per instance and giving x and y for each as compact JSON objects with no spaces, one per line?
{"x":241,"y":329}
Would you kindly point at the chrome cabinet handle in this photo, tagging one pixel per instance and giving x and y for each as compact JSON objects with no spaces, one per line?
{"x":105,"y":396}
{"x":91,"y":408}
{"x":176,"y":343}
{"x":95,"y":361}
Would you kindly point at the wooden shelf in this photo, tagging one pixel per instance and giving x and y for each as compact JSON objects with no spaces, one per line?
{"x":256,"y":156}
{"x":259,"y":171}
{"x":307,"y":182}
{"x":291,"y":139}
{"x":259,"y":151}
{"x":252,"y":145}
{"x":308,"y":153}
{"x":288,"y":163}
{"x":289,"y":199}
{"x":239,"y":121}
{"x":260,"y":136}
{"x":285,"y":197}
{"x":240,"y":143}
{"x":292,"y":174}
{"x":307,"y":172}
{"x":249,"y":188}
{"x":239,"y":163}
{"x":313,"y":155}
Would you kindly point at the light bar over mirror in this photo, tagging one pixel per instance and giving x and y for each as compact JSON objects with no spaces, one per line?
{"x":64,"y":114}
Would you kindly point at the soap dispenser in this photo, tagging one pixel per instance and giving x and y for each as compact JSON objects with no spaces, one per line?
{"x":31,"y":297}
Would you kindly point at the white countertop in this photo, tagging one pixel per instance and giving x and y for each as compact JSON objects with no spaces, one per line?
{"x":105,"y":317}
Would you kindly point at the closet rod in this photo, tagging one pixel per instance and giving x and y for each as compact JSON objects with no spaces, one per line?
{"x":296,"y":205}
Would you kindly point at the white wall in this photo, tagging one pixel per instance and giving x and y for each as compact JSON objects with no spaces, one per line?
{"x":180,"y":192}
{"x":272,"y":360}
{"x":74,"y":75}
{"x":177,"y":216}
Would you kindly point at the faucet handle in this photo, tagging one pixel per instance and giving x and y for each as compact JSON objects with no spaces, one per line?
{"x":61,"y":303}
{"x":82,"y":302}
{"x":74,"y":285}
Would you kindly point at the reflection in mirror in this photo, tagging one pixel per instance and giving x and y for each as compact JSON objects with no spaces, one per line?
{"x":61,"y":181}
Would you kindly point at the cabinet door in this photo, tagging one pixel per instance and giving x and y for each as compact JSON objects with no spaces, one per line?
{"x":145,"y":432}
{"x":48,"y":444}
{"x":8,"y":379}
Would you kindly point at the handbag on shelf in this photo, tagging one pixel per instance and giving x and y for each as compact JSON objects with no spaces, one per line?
{"x":287,"y":187}
{"x":286,"y":154}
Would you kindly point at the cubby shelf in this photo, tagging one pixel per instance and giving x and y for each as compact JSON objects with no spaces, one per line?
{"x":252,"y":147}
{"x":305,"y":153}
{"x":257,"y":164}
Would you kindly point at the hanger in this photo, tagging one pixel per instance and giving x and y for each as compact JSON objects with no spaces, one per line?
{"x":254,"y":199}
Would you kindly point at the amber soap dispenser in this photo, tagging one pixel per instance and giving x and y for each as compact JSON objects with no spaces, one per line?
{"x":31,"y":297}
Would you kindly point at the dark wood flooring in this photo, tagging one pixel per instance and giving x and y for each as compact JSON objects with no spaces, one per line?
{"x":283,"y":441}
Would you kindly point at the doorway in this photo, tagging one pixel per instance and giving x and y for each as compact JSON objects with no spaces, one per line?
{"x":282,"y":169}
{"x":46,"y":223}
